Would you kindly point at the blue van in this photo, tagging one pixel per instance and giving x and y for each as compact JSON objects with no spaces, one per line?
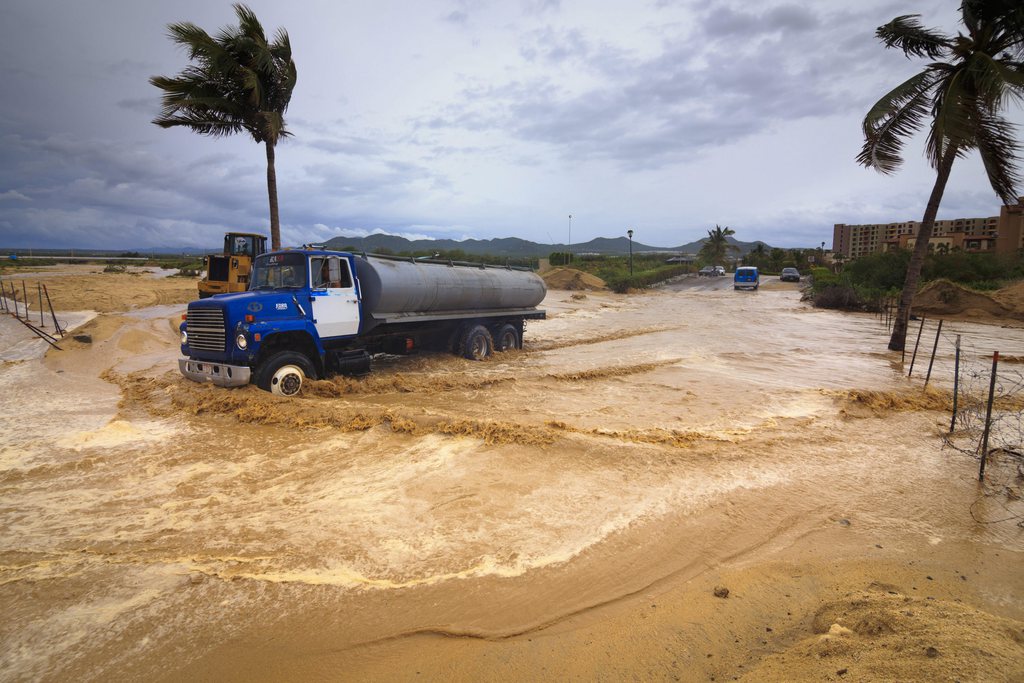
{"x":746,"y":277}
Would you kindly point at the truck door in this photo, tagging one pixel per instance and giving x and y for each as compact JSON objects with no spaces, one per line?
{"x":333,"y":297}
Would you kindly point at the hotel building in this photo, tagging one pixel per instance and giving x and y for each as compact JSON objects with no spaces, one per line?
{"x":998,"y":234}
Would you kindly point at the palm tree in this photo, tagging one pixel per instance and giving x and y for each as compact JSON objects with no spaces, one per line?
{"x":963,"y":95}
{"x":716,"y":247}
{"x":837,"y":260}
{"x":238,"y":82}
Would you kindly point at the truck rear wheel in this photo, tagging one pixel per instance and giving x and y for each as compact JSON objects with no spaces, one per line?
{"x":507,"y":338}
{"x":476,"y":343}
{"x":282,"y":373}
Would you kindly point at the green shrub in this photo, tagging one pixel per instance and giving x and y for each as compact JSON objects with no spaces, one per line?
{"x":641,"y":280}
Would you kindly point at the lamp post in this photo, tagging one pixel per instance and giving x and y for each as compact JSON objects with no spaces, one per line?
{"x":629,"y":233}
{"x":570,"y":239}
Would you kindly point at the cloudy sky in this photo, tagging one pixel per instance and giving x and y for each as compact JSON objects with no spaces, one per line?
{"x":468,"y":118}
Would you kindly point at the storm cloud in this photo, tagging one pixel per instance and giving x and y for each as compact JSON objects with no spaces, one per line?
{"x":470,"y":118}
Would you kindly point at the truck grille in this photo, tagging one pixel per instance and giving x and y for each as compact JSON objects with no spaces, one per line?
{"x":205,"y":327}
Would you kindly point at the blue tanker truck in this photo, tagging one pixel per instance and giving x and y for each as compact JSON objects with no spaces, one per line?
{"x":311,"y":313}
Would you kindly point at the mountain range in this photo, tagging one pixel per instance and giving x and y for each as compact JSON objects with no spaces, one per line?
{"x":513,"y":247}
{"x":509,"y":247}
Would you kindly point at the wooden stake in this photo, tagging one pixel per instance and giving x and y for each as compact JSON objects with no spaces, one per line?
{"x":914,"y":357}
{"x":56,"y":325}
{"x":988,"y":416}
{"x":935,"y":348}
{"x":956,"y":384}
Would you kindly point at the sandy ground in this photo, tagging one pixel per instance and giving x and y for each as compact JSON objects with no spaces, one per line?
{"x":689,"y":484}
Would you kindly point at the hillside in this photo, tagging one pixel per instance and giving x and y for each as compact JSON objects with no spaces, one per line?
{"x":515,"y":247}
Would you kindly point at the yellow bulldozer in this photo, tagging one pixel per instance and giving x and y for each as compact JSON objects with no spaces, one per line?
{"x":229,"y":272}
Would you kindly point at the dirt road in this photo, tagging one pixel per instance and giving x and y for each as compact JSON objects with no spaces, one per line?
{"x":567,"y":511}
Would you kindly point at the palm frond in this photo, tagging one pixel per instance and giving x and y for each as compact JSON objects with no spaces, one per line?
{"x":998,"y":147}
{"x":953,"y":116}
{"x":897,"y":115}
{"x":908,"y":34}
{"x":992,"y":80}
{"x":249,"y":25}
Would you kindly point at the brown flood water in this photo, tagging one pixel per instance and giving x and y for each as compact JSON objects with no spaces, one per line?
{"x":521,"y":518}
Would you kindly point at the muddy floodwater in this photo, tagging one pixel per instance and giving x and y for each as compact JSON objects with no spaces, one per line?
{"x":691,"y":484}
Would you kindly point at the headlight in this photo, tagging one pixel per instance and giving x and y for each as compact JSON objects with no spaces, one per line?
{"x":241,"y":341}
{"x":184,"y":337}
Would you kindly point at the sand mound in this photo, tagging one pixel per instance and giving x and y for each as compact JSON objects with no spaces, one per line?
{"x":1012,"y":296}
{"x":572,"y":279}
{"x":887,"y":636}
{"x":945,"y":298}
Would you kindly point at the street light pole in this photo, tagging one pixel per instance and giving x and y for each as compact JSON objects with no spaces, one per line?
{"x":570,"y":239}
{"x":629,"y":233}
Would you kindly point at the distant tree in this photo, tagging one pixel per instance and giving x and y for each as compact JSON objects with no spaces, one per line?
{"x":716,"y":247}
{"x":837,"y":260}
{"x":758,"y":256}
{"x":962,"y":90}
{"x":238,"y":82}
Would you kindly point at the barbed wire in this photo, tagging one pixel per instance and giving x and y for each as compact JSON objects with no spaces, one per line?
{"x":970,"y":373}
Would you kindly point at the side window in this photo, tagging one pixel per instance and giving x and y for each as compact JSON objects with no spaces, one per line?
{"x":330,"y":272}
{"x":319,"y":272}
{"x":340,"y":277}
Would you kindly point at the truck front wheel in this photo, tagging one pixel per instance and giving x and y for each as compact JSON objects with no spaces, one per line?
{"x":282,"y":373}
{"x":476,"y":343}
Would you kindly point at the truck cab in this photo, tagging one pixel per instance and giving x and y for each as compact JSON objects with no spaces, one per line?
{"x":300,"y":304}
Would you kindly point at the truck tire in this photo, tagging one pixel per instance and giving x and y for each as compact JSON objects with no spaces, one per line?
{"x":507,"y":338}
{"x":283,"y":372}
{"x":476,"y":343}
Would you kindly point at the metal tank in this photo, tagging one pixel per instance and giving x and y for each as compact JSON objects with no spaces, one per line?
{"x":396,"y":287}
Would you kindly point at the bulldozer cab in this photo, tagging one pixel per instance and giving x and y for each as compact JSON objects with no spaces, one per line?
{"x":244,"y":244}
{"x":230,"y":270}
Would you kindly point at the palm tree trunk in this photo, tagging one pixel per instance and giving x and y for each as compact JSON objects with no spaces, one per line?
{"x":899,"y":330}
{"x":275,"y":221}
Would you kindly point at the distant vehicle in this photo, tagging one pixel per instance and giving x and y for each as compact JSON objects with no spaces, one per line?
{"x":720,"y":271}
{"x":790,"y":275}
{"x":746,"y":277}
{"x":706,"y":271}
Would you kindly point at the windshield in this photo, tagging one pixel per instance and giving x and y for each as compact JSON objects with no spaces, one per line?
{"x":239,"y":245}
{"x":279,"y":271}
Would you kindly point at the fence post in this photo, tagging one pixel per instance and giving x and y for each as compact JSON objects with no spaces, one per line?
{"x":956,"y":384}
{"x":935,"y":348}
{"x":988,"y":416}
{"x":56,"y":325}
{"x":914,"y":357}
{"x":39,"y":293}
{"x":14,"y":300}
